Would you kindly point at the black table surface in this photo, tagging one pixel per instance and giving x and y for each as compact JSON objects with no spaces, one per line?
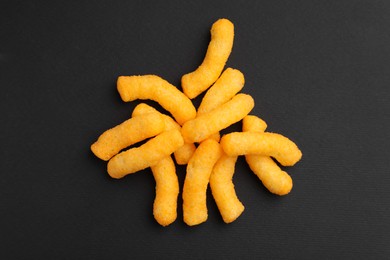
{"x":319,"y":72}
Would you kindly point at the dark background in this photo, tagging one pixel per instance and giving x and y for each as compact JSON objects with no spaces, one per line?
{"x":319,"y":72}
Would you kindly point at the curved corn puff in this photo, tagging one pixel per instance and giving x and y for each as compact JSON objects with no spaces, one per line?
{"x":155,"y":88}
{"x":218,"y":51}
{"x":197,"y":179}
{"x":270,"y":144}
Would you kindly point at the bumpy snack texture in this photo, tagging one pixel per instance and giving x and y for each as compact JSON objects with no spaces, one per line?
{"x":224,"y":89}
{"x":199,"y":169}
{"x":218,"y":51}
{"x":167,"y":191}
{"x":200,"y":128}
{"x":222,"y":188}
{"x":157,"y":89}
{"x":131,"y":131}
{"x":147,"y":155}
{"x":281,"y":148}
{"x":184,"y":153}
{"x":270,"y":174}
{"x":253,"y":123}
{"x":169,"y":123}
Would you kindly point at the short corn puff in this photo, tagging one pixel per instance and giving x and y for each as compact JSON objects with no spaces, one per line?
{"x":218,"y":51}
{"x":167,"y":191}
{"x":281,"y":148}
{"x":155,"y":88}
{"x":199,"y":169}
{"x":226,"y":87}
{"x":273,"y":178}
{"x":222,"y":189}
{"x":200,"y":128}
{"x":129,"y":132}
{"x":147,"y":155}
{"x":270,"y":174}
